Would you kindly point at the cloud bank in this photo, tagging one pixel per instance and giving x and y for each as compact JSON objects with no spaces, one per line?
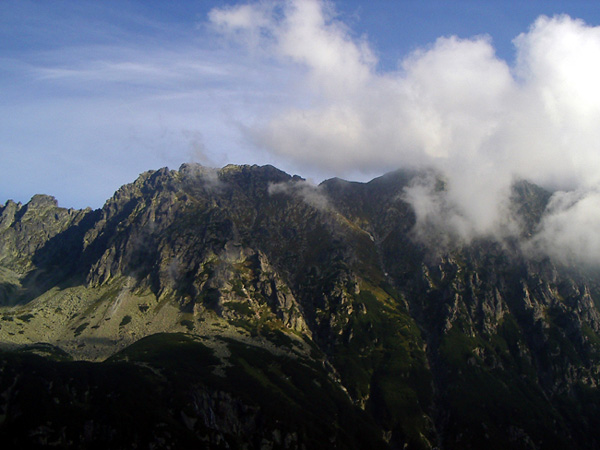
{"x":453,"y":106}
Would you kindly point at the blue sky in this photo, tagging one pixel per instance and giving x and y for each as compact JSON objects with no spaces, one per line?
{"x":94,"y":93}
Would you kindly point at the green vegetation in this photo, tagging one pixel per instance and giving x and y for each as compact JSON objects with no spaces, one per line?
{"x":384,"y":361}
{"x":25,"y":317}
{"x":485,"y":395}
{"x":242,"y":308}
{"x":46,"y":350}
{"x":188,"y":324}
{"x":80,"y":328}
{"x":146,"y":405}
{"x":237,"y":287}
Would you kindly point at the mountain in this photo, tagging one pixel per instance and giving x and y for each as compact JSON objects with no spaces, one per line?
{"x":245,"y":308}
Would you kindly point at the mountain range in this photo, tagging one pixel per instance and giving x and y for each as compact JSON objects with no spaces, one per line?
{"x":245,"y":308}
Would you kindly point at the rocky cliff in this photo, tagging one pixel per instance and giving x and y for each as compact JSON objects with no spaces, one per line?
{"x":263,"y":312}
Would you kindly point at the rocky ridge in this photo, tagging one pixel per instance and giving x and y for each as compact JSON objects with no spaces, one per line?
{"x":475,"y":346}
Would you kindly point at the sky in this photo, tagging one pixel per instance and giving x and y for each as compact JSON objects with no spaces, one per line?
{"x":94,"y":93}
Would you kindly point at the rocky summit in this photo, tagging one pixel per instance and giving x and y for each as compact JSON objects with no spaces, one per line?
{"x":244,"y":308}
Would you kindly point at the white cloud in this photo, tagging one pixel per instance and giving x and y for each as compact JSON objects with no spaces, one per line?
{"x":569,"y":233}
{"x":454,"y":106}
{"x":559,"y":108}
{"x":251,"y":24}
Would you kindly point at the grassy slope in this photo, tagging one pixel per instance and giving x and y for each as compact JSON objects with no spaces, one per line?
{"x":162,"y":391}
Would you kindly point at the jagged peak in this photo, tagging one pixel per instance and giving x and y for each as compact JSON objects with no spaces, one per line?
{"x":400,"y":177}
{"x":7,"y":214}
{"x":42,"y":200}
{"x":267,"y":170}
{"x":11,"y":203}
{"x":196,"y":169}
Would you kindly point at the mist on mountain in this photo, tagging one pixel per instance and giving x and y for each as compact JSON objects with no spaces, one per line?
{"x":454,"y":106}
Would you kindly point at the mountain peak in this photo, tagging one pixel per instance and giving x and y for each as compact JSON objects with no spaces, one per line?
{"x":42,"y":201}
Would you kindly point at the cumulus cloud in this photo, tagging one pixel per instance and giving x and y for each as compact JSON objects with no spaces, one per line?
{"x":453,"y":106}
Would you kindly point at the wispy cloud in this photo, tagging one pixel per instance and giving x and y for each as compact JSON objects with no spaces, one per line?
{"x":125,"y":95}
{"x":308,"y":192}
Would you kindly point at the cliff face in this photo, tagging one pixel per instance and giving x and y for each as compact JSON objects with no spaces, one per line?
{"x":36,"y":238}
{"x":278,"y":281}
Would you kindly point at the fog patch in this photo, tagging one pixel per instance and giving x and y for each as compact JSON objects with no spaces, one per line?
{"x":568,"y":231}
{"x":442,"y":221}
{"x":306,"y":191}
{"x":207,"y":176}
